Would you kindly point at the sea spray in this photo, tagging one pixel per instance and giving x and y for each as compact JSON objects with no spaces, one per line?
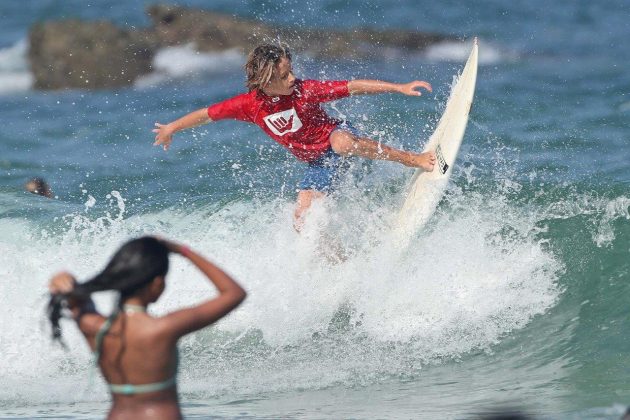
{"x":311,"y":320}
{"x":14,"y":68}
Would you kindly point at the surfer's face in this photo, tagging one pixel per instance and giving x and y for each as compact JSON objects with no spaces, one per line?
{"x":283,"y":81}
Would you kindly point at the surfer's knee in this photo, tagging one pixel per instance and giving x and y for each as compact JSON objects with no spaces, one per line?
{"x":304,"y":200}
{"x":342,"y":142}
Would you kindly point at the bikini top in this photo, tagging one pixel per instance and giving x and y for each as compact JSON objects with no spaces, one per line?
{"x":129,"y":389}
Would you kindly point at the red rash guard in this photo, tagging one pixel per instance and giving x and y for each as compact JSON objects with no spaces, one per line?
{"x":296,"y":121}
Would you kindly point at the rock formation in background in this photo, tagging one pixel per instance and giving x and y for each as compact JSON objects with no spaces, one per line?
{"x":94,"y":55}
{"x":89,"y":55}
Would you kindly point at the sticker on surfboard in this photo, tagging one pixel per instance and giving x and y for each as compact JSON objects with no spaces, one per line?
{"x":440,"y":159}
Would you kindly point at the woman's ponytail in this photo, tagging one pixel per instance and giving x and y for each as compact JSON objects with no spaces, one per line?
{"x":131,"y":268}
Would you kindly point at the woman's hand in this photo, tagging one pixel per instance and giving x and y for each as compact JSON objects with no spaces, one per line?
{"x":163,"y":135}
{"x":62,"y":283}
{"x":413,"y":88}
{"x":173,"y":247}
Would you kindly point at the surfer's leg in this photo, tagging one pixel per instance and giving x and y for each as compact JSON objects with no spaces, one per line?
{"x":346,"y":143}
{"x":304,"y":200}
{"x":320,"y":178}
{"x":329,"y":246}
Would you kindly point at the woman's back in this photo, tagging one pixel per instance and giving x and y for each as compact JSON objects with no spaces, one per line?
{"x":137,"y":353}
{"x":139,"y":362}
{"x":133,"y":351}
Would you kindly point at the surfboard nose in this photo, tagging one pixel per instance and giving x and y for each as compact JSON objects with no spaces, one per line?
{"x":426,"y":188}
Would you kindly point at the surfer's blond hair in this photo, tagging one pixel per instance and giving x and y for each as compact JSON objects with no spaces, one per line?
{"x":261,"y":63}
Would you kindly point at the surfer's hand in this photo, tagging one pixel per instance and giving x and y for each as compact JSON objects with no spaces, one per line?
{"x":413,"y":88}
{"x":61,"y":283}
{"x":424,"y":160}
{"x":163,"y":135}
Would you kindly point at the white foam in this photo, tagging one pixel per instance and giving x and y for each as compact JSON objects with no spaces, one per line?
{"x":15,"y":75}
{"x":606,"y":210}
{"x":465,"y":294}
{"x":185,"y":61}
{"x":615,"y":209}
{"x":459,"y":51}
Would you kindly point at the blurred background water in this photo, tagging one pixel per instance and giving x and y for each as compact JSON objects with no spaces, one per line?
{"x":523,"y":304}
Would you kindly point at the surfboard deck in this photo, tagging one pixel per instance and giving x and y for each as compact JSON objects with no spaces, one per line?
{"x":426,"y":188}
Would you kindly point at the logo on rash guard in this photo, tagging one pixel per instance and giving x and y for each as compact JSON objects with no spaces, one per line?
{"x":283,"y":122}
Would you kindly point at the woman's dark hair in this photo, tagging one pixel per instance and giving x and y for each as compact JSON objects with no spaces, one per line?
{"x":131,"y":268}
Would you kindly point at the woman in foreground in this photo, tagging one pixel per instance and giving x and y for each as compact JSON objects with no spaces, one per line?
{"x":136,"y":352}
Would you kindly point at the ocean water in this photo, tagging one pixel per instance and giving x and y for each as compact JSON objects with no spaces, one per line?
{"x":524,"y":303}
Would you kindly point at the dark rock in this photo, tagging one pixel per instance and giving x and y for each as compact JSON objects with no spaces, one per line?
{"x":212,"y":31}
{"x":76,"y":54}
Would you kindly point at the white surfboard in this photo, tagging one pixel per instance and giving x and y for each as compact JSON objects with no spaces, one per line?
{"x":426,"y":188}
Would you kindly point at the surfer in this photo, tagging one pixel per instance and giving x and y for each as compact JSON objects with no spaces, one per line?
{"x":137,"y":353}
{"x":289,"y":110}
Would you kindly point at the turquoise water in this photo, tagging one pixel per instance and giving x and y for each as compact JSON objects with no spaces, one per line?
{"x":521,"y":301}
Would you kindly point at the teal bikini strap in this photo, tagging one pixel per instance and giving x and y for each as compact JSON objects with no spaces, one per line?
{"x":129,"y":389}
{"x":101,"y":334}
{"x":126,"y":389}
{"x":98,"y":345}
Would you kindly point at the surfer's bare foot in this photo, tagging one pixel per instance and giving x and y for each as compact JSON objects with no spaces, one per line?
{"x":425,"y":161}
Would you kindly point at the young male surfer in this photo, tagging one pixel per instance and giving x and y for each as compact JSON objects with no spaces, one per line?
{"x":289,"y":111}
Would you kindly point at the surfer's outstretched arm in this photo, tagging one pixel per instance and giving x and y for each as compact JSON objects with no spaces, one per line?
{"x":164,"y":132}
{"x":362,"y":87}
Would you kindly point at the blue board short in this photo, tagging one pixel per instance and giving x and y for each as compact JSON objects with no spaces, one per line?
{"x":324,"y":173}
